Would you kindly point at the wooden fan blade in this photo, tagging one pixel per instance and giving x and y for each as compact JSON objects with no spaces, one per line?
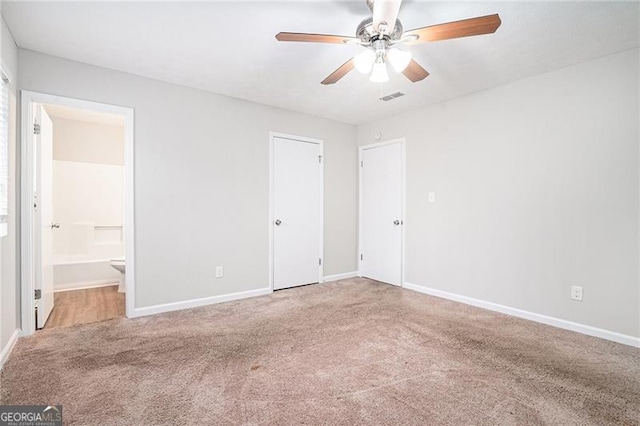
{"x":465,"y":28}
{"x":314,"y":38}
{"x":415,"y":72}
{"x":385,"y":11}
{"x":339,"y":73}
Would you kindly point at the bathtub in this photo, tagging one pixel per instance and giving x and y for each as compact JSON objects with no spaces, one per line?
{"x":77,"y":272}
{"x":82,"y":253}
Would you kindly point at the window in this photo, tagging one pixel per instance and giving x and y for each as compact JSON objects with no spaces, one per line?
{"x":4,"y":154}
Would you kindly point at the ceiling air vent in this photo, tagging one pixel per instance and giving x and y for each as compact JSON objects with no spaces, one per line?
{"x":391,"y":96}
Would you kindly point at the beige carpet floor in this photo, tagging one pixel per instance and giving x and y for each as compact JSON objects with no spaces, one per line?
{"x":349,"y":352}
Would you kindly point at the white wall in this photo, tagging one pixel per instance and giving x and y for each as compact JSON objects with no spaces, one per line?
{"x":88,"y":190}
{"x":537,"y":188}
{"x":201,"y":179}
{"x":87,"y":197}
{"x":9,"y":291}
{"x":75,"y":140}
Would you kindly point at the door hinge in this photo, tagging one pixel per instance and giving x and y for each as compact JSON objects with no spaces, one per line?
{"x":320,"y":262}
{"x":361,"y":257}
{"x":320,"y":159}
{"x":36,"y":129}
{"x":38,"y":294}
{"x":361,"y":163}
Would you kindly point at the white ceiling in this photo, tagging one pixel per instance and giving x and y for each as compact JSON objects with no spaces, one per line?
{"x":229,"y":47}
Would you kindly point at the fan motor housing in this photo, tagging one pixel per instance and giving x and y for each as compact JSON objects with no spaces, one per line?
{"x":366,"y":33}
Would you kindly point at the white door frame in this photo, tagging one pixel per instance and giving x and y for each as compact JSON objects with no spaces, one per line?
{"x":320,"y":143}
{"x":361,"y":149}
{"x":28,"y":99}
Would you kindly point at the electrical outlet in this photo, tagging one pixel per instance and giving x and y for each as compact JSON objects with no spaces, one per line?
{"x":219,"y":271}
{"x":576,"y":293}
{"x":432,"y":197}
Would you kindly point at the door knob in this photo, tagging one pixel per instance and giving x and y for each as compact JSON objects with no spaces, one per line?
{"x":278,"y":222}
{"x":55,"y":225}
{"x":396,"y":222}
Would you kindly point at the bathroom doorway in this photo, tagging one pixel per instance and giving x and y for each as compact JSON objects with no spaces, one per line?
{"x":78,"y":221}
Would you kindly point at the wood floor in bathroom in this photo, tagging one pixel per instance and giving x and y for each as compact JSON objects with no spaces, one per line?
{"x":85,"y":306}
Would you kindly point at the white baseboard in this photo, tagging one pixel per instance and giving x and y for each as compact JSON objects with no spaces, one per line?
{"x":338,"y":277}
{"x":176,"y":306}
{"x":531,"y":316}
{"x":84,"y":285}
{"x":6,"y":351}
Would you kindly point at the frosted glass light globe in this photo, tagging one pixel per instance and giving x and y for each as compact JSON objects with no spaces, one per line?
{"x":398,"y":59}
{"x":363,"y":61}
{"x":379,"y":73}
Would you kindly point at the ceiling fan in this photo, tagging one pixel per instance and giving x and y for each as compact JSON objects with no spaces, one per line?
{"x":381,"y":33}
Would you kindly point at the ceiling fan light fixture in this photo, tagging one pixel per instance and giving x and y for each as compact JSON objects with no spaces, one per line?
{"x":382,"y":31}
{"x":399,"y":59}
{"x":364,"y":60}
{"x":379,"y":73}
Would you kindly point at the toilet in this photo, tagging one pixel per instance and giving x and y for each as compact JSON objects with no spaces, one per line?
{"x":118,"y":265}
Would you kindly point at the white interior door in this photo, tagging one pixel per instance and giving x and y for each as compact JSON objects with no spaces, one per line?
{"x":43,"y":219}
{"x":297,"y":206}
{"x":381,"y":202}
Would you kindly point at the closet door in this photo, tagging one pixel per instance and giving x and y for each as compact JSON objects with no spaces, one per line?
{"x":297,"y":212}
{"x":381,"y":202}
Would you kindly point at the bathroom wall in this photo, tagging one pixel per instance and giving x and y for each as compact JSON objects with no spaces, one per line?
{"x":88,"y":205}
{"x":87,"y":142}
{"x":88,"y":201}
